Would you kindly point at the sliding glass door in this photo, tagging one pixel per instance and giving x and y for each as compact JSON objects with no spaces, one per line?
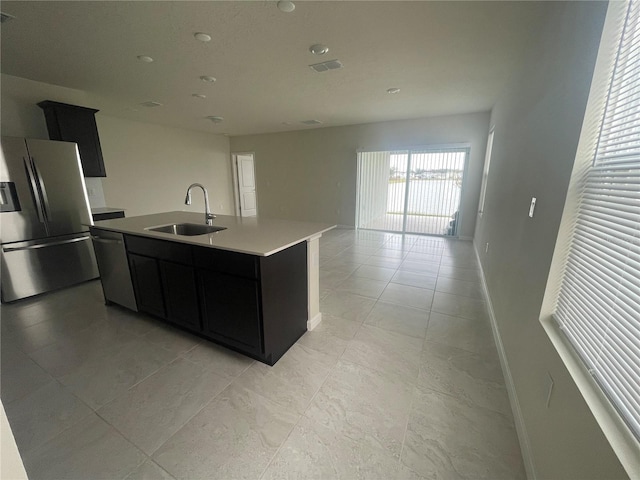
{"x":411,"y":191}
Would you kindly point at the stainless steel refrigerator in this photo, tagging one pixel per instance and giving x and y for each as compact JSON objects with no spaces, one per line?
{"x":44,"y":218}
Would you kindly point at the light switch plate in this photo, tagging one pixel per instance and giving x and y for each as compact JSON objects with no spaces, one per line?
{"x":532,"y":207}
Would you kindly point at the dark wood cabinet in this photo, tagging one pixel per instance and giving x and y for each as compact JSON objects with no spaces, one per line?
{"x":166,"y":284}
{"x":71,"y":123}
{"x":180,"y":294}
{"x":255,"y":305}
{"x":145,"y":276}
{"x":230,"y":311}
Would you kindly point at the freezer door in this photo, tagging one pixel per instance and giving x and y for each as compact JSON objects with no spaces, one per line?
{"x":30,"y":268}
{"x":15,"y":166}
{"x":58,"y":173}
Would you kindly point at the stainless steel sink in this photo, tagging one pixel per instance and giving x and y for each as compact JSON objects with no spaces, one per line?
{"x":187,"y":229}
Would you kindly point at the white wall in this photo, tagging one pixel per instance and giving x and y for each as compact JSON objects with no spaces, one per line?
{"x":311,"y":174}
{"x":537,"y":121}
{"x":149,"y":167}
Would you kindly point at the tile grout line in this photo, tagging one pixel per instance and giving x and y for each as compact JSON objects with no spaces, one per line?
{"x":330,"y":370}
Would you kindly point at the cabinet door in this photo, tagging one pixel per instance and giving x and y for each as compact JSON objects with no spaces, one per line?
{"x":147,"y":284}
{"x":71,"y":123}
{"x":230,"y":310}
{"x":80,"y":127}
{"x":180,"y":294}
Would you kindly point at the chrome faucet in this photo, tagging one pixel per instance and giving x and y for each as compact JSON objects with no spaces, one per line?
{"x":207,"y":212}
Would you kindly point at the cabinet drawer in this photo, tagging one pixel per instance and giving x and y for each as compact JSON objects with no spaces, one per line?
{"x":232,"y":263}
{"x":175,"y":252}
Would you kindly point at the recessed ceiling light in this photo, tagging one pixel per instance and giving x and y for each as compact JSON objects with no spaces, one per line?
{"x":208,"y":78}
{"x":393,"y":90}
{"x":311,"y":122}
{"x":145,"y":58}
{"x":203,"y":37}
{"x":286,"y":6}
{"x":198,"y":95}
{"x":318,"y":49}
{"x":215,"y":119}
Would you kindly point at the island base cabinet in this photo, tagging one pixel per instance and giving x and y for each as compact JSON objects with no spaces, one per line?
{"x":230,"y":311}
{"x":147,"y":285}
{"x":255,"y":305}
{"x":180,"y":294}
{"x":284,"y":299}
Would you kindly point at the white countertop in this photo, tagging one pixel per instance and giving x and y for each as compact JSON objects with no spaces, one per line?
{"x":252,"y":235}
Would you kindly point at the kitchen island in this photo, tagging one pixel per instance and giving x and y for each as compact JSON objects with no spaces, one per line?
{"x":252,"y":286}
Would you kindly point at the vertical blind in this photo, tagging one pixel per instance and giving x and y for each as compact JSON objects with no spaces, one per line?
{"x":598,"y":308}
{"x":411,"y":191}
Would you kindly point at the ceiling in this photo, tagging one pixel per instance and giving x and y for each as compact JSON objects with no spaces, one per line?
{"x":445,"y":57}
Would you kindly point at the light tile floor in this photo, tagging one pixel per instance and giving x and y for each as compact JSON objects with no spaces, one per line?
{"x":401,"y":380}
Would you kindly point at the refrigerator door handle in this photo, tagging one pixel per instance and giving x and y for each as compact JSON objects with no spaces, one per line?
{"x":34,"y":189}
{"x":45,"y":207}
{"x":44,"y":245}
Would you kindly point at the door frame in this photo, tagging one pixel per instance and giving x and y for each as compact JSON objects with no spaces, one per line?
{"x":466,"y":146}
{"x":236,"y":186}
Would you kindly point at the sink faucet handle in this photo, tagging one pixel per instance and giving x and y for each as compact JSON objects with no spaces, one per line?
{"x":210,"y":217}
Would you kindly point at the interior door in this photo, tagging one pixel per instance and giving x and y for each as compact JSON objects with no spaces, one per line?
{"x":246,"y":185}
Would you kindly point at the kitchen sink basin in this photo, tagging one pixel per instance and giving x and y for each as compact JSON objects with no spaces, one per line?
{"x":187,"y":229}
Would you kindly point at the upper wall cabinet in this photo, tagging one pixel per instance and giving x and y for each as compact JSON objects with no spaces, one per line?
{"x":70,"y":123}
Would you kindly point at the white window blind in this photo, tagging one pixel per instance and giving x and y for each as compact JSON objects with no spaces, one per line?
{"x":598,"y":307}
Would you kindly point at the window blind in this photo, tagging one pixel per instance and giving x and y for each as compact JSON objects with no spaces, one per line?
{"x":598,"y":307}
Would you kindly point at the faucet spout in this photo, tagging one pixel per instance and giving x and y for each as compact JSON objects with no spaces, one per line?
{"x":208,"y":216}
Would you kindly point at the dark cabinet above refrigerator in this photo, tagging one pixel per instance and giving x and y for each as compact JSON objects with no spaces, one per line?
{"x":70,"y":123}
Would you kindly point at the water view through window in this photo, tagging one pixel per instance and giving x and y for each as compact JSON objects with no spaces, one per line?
{"x":411,"y":191}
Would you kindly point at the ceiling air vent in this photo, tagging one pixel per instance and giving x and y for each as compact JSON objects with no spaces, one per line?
{"x":5,"y":17}
{"x":151,"y":104}
{"x":326,"y":66}
{"x":311,"y":122}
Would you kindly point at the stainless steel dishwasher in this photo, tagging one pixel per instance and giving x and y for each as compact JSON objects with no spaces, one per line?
{"x":111,"y":255}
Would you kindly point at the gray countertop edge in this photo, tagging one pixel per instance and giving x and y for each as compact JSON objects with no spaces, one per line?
{"x":97,"y":210}
{"x":249,"y":235}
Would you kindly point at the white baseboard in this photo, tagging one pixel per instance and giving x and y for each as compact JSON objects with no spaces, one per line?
{"x":314,"y":322}
{"x":521,"y":428}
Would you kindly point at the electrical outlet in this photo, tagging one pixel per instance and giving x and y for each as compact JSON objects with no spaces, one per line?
{"x":221,"y":207}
